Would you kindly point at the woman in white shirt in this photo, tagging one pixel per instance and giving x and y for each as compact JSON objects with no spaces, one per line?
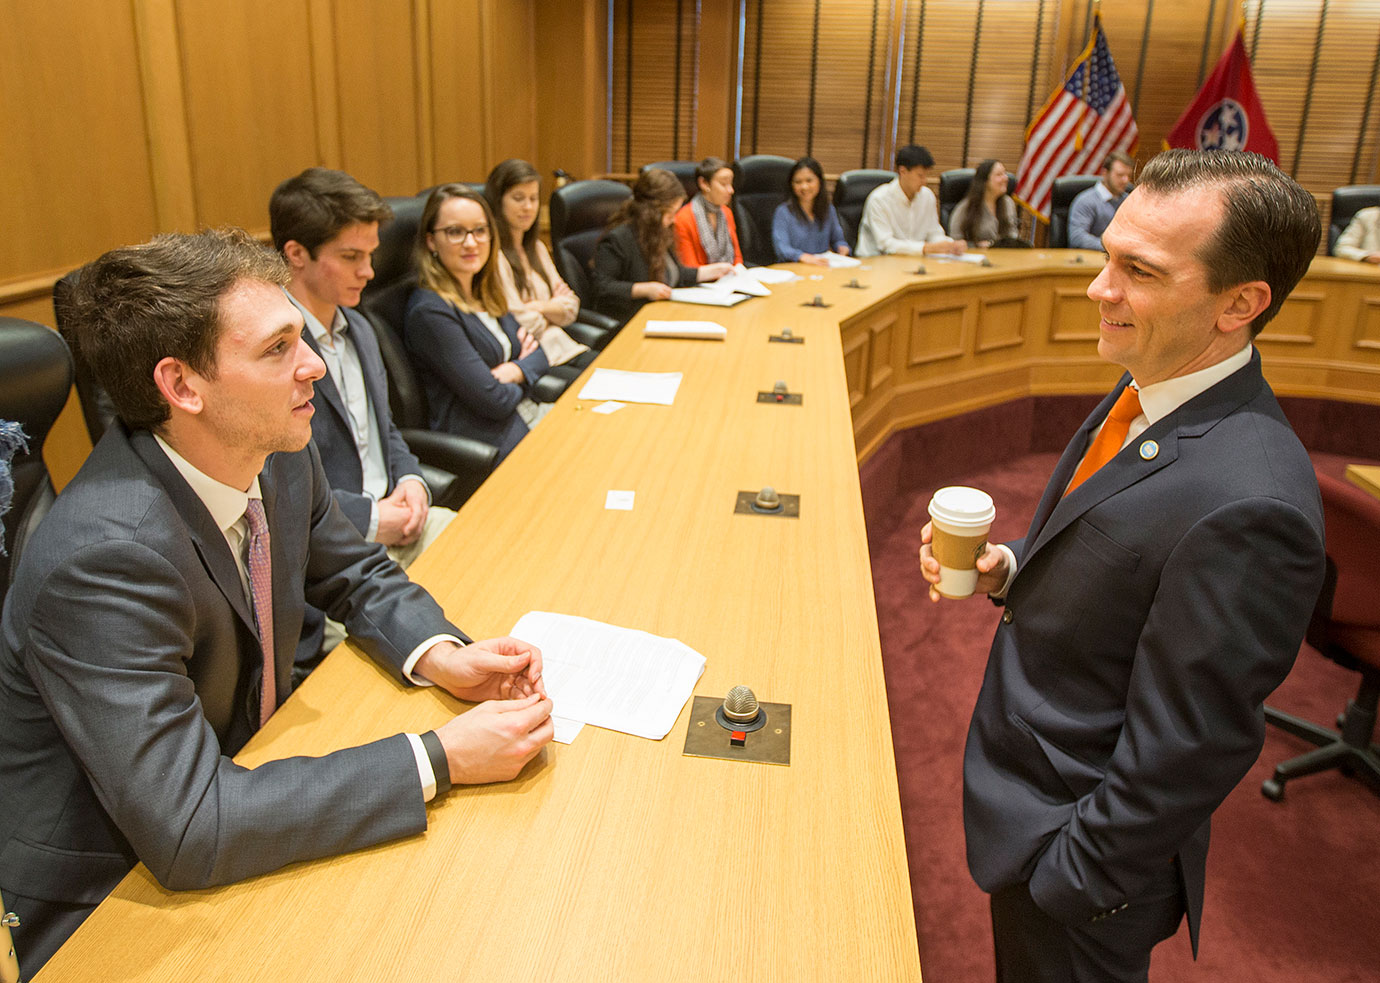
{"x":538,"y":298}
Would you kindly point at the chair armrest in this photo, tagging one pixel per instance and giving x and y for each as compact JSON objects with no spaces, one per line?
{"x":598,"y":320}
{"x":548,"y":388}
{"x":588,"y":334}
{"x":458,"y":465}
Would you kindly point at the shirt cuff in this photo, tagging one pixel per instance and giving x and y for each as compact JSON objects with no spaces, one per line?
{"x":1010,"y":572}
{"x":372,"y":533}
{"x":418,"y":478}
{"x":424,"y":769}
{"x":418,"y":652}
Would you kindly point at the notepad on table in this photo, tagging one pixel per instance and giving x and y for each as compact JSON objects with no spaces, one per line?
{"x":632,"y":387}
{"x":703,"y":295}
{"x":685,"y":329}
{"x":617,"y":678}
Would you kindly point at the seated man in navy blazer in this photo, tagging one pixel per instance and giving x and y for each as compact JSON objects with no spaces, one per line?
{"x":326,"y":225}
{"x":1161,"y":592}
{"x":151,"y":625}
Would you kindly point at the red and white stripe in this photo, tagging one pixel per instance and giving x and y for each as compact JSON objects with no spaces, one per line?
{"x":1051,"y":150}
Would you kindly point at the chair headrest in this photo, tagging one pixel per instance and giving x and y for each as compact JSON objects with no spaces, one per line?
{"x":35,"y":377}
{"x":584,"y":205}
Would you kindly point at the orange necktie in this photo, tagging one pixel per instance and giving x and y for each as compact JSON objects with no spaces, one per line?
{"x":1110,"y":437}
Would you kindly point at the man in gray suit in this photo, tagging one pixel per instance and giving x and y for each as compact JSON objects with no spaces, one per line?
{"x":1160,"y":594}
{"x":151,"y":625}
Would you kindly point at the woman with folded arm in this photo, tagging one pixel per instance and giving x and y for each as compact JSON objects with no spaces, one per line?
{"x":537,"y":296}
{"x":986,"y":214}
{"x":476,"y":363}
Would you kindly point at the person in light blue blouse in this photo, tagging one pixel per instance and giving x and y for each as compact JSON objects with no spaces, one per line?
{"x":806,"y":226}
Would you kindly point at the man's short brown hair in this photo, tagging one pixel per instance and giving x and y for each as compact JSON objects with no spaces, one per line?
{"x":1270,"y":226}
{"x":1118,"y":157}
{"x":314,"y":206}
{"x":137,"y":305}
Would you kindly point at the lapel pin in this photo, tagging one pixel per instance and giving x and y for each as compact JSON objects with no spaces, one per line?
{"x":1148,"y":450}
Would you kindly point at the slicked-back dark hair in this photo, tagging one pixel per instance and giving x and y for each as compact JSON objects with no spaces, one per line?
{"x":314,"y":206}
{"x":137,"y":305}
{"x":1270,"y":226}
{"x":912,"y":156}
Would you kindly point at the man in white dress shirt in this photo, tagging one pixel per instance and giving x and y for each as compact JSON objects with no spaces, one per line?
{"x":902,"y":216}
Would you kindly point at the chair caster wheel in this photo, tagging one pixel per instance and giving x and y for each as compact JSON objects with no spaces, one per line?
{"x":1272,"y":790}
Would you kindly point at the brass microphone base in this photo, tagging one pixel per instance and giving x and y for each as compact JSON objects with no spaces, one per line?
{"x":705,"y":737}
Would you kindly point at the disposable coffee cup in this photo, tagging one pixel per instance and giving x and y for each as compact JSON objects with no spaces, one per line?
{"x":961,"y":518}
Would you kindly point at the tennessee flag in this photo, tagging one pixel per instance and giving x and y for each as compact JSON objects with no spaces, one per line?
{"x":1226,"y":114}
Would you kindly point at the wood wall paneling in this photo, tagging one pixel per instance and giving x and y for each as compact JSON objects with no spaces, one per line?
{"x":251,"y":115}
{"x":74,"y":154}
{"x":1367,"y":337}
{"x":572,"y":87}
{"x":1001,"y":322}
{"x":1072,"y":316}
{"x":510,"y":63}
{"x":375,"y":73}
{"x":939,"y":330}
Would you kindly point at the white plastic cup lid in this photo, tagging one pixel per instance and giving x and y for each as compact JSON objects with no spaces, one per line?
{"x":959,"y":505}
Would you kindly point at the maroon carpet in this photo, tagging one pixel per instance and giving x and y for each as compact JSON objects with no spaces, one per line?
{"x":1293,"y":889}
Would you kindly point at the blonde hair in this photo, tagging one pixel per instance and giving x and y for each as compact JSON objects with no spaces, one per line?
{"x":486,"y":289}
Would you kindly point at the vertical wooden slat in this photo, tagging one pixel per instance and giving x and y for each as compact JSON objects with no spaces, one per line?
{"x":1308,"y":90}
{"x":165,"y":114}
{"x":972,"y":84}
{"x":1365,"y":114}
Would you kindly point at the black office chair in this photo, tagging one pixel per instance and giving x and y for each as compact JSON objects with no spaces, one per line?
{"x":1346,"y":629}
{"x":476,"y":186}
{"x":761,"y":182}
{"x":579,"y":212}
{"x":35,"y":377}
{"x":850,"y":194}
{"x":954,"y":184}
{"x":686,"y":171}
{"x":1065,"y":190}
{"x":1346,"y":202}
{"x":97,"y":409}
{"x":393,"y":260}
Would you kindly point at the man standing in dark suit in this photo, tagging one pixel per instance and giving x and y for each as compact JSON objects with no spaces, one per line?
{"x":1160,"y":594}
{"x":151,"y":625}
{"x":326,"y":225}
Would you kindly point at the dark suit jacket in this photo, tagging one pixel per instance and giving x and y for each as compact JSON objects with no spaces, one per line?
{"x":619,"y":264}
{"x":330,"y":427}
{"x":453,"y":352}
{"x":1153,"y":610}
{"x":130,"y":671}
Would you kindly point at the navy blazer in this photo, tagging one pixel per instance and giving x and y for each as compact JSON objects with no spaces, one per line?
{"x":619,"y":265}
{"x":330,"y":427}
{"x":129,"y":673}
{"x":453,"y":352}
{"x":1153,"y":610}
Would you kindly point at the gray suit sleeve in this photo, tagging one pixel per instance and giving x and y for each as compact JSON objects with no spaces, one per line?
{"x":117,"y":685}
{"x":1220,"y":636}
{"x":1080,"y":224}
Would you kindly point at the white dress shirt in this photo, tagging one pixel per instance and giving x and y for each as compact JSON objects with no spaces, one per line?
{"x":893,"y":223}
{"x":227,"y":506}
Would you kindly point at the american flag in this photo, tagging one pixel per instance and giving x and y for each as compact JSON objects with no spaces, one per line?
{"x":1086,"y":119}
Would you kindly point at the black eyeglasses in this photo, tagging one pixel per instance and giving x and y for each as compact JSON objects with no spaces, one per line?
{"x":456,"y":234}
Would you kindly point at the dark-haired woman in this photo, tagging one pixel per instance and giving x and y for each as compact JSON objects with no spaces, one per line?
{"x":476,"y":364}
{"x":705,"y":230}
{"x":537,"y":296}
{"x":986,"y":214}
{"x":806,"y":227}
{"x":633,"y":262}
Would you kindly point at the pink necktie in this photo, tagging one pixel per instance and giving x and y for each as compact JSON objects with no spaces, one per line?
{"x":261,"y":590}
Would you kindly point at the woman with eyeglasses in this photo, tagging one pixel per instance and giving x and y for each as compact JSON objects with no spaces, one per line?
{"x":633,"y":262}
{"x":805,"y":227}
{"x":537,"y":296}
{"x":476,"y":363}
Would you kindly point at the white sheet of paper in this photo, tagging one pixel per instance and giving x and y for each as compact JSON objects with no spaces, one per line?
{"x":620,"y":501}
{"x":618,"y":678}
{"x":840,"y":262}
{"x":702,"y":295}
{"x":768,"y":274}
{"x":612,"y":406}
{"x":709,"y":330}
{"x":632,"y":387}
{"x":739,"y":282}
{"x":975,"y":258}
{"x":566,"y":729}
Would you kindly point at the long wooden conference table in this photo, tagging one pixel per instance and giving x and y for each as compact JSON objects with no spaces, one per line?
{"x":619,"y":858}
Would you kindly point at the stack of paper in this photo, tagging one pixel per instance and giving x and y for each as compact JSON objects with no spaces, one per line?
{"x":685,"y":329}
{"x":632,"y":387}
{"x":703,"y":295}
{"x":618,"y":678}
{"x":838,"y":261}
{"x":976,"y":259}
